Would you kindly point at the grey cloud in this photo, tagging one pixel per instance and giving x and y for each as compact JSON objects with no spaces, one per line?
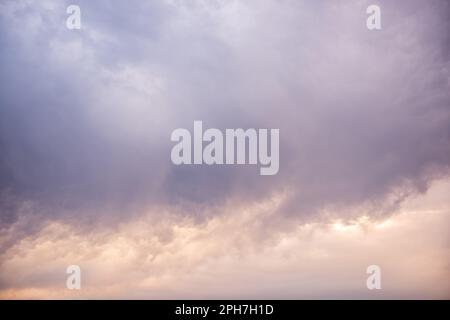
{"x":360,"y":113}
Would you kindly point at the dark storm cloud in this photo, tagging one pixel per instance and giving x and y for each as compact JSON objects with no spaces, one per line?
{"x":86,"y":116}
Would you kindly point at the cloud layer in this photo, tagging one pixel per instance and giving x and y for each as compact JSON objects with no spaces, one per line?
{"x":235,"y":255}
{"x":86,"y":117}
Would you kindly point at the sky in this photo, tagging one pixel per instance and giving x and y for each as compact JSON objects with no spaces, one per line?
{"x":86,"y":176}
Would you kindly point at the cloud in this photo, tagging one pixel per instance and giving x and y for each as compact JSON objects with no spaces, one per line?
{"x":236,"y":255}
{"x":86,"y":118}
{"x":97,"y":129}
